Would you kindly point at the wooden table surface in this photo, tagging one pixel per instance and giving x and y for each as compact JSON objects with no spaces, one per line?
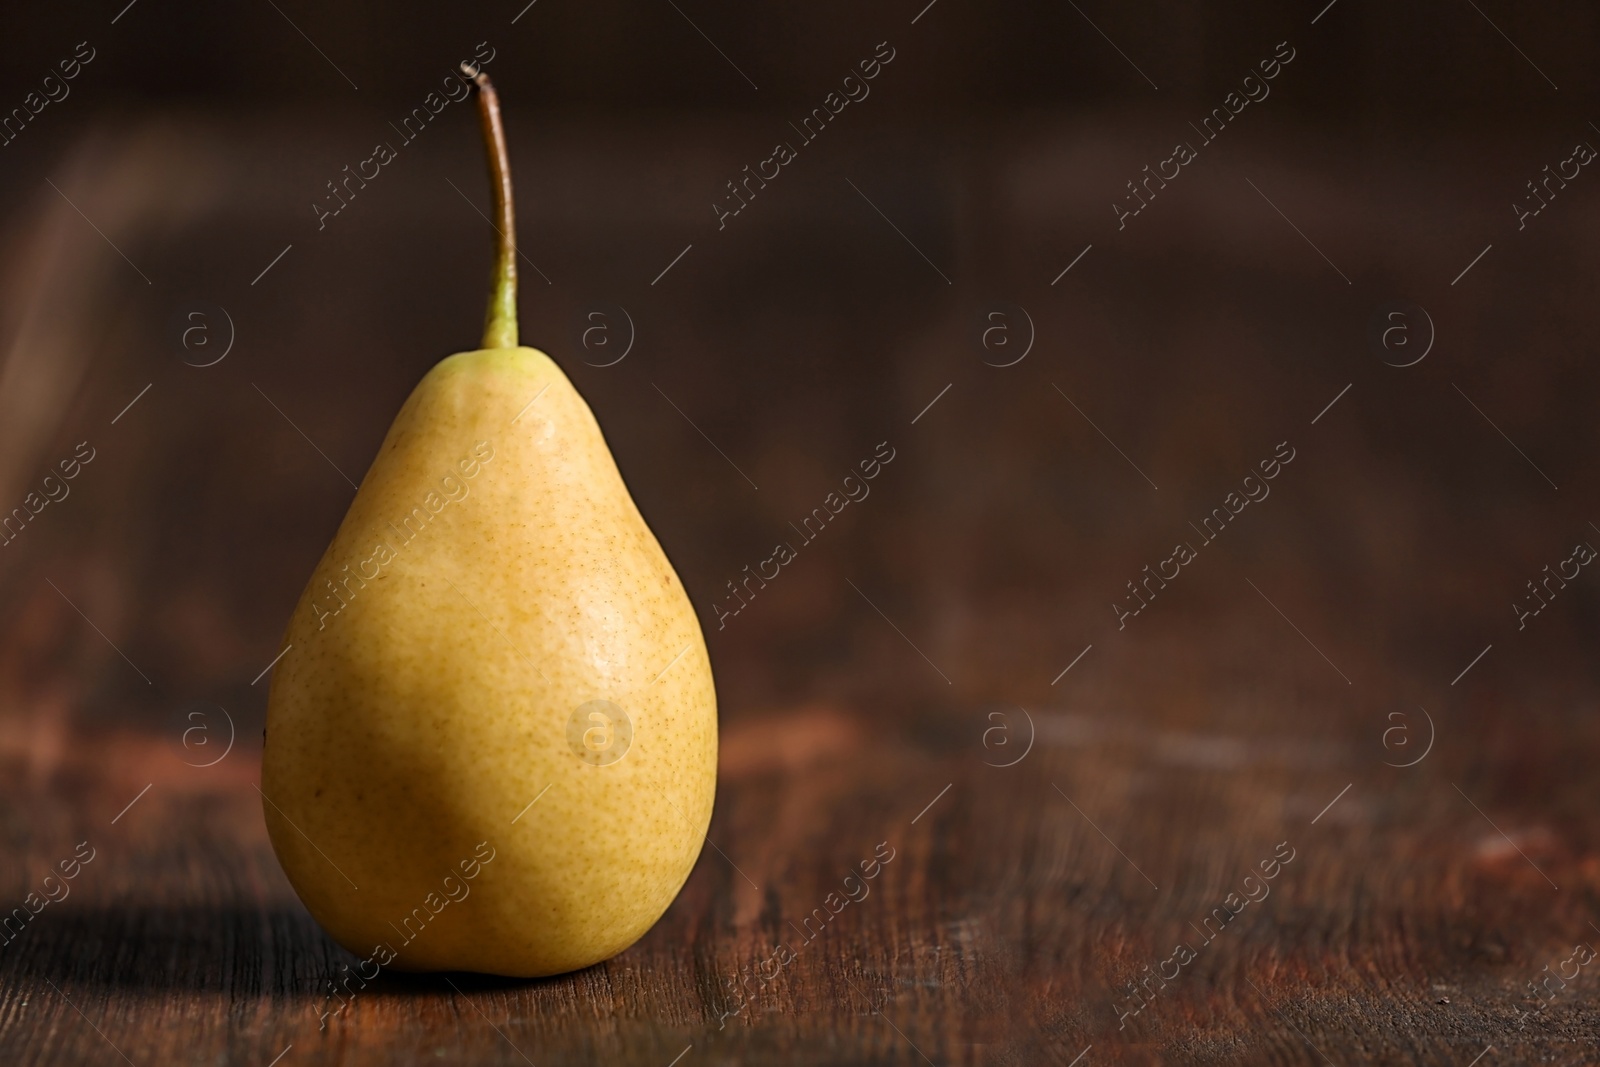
{"x":1334,"y":690}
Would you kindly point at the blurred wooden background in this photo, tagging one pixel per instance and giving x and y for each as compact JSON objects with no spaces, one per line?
{"x":870,"y":693}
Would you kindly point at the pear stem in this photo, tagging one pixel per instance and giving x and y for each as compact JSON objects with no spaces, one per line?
{"x":500,"y":324}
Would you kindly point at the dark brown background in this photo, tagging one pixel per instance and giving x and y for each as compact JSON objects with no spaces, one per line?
{"x":1191,"y":743}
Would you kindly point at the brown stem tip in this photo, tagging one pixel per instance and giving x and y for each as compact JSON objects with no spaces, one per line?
{"x":500,"y":324}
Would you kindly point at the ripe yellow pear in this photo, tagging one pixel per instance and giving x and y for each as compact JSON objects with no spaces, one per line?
{"x":492,"y":743}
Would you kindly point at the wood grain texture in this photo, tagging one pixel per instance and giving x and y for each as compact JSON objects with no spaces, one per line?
{"x":1005,"y":929}
{"x":872,"y":696}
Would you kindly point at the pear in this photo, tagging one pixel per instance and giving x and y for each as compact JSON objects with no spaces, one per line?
{"x":492,"y":743}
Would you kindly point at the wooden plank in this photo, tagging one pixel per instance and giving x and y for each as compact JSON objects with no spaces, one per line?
{"x":1040,"y":887}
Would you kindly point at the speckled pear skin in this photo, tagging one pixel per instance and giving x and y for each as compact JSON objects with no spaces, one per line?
{"x":425,"y":702}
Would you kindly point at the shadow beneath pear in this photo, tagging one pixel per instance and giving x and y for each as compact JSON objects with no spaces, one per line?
{"x":277,"y":951}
